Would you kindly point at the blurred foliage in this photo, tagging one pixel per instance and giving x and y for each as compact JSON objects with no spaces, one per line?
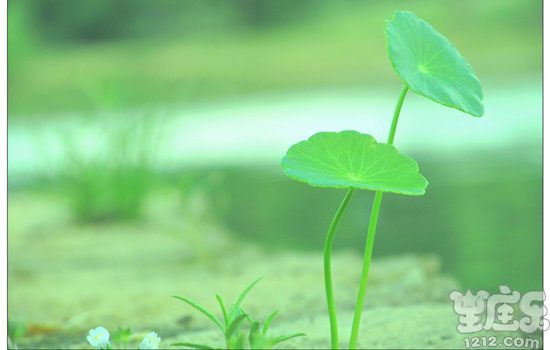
{"x":175,"y":52}
{"x":122,"y":336}
{"x":16,"y":330}
{"x":204,"y":195}
{"x":113,"y":183}
{"x":77,"y":21}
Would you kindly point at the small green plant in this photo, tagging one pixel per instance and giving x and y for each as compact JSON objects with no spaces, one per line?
{"x":231,"y":325}
{"x":122,"y":337}
{"x":112,"y":182}
{"x":258,"y":337}
{"x":429,"y":65}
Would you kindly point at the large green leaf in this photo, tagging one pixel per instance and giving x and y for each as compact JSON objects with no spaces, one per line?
{"x":351,"y":159}
{"x":430,"y":65}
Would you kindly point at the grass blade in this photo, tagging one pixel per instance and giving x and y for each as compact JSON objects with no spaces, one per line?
{"x":233,"y":313}
{"x":203,"y":310}
{"x":253,"y":334}
{"x":268,"y":320}
{"x":246,"y":291}
{"x":234,"y":326}
{"x":224,"y":311}
{"x":283,"y":338}
{"x":193,"y":345}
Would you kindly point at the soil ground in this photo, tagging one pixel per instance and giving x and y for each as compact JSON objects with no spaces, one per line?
{"x":65,"y":278}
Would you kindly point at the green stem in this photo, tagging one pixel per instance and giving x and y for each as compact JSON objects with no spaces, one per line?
{"x":366,"y":266}
{"x":369,"y":244}
{"x":328,"y":268}
{"x":396,"y":114}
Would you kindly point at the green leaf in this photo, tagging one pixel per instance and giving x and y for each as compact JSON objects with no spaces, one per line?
{"x":351,"y":159}
{"x":268,"y":321}
{"x":430,"y":65}
{"x":203,"y":310}
{"x":287,"y":337}
{"x":253,"y":334}
{"x":122,"y":335}
{"x":245,"y":292}
{"x":194,"y":345}
{"x":224,"y":311}
{"x":234,"y":326}
{"x":236,"y":343}
{"x":234,"y":312}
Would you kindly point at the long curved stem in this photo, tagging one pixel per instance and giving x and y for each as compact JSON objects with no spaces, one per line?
{"x":328,"y":268}
{"x":396,"y":114}
{"x":369,"y":244}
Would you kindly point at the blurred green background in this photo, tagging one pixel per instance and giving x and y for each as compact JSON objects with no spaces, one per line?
{"x":117,"y":106}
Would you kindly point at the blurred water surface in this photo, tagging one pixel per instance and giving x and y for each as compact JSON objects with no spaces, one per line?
{"x":258,"y":131}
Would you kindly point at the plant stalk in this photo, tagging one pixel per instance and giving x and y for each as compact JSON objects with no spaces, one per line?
{"x":328,"y":268}
{"x":396,"y":114}
{"x":369,"y":244}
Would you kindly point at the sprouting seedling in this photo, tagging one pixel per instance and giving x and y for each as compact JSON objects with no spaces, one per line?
{"x":429,"y":65}
{"x":231,"y":322}
{"x":259,"y":339}
{"x":122,"y":336}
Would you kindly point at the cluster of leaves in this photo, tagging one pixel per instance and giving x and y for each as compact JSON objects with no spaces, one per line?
{"x":232,"y":324}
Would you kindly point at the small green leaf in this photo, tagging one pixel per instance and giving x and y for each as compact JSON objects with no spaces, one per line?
{"x":234,"y":326}
{"x":121,"y":335}
{"x":224,"y":311}
{"x":245,"y":292}
{"x":234,"y":312}
{"x":268,"y":321}
{"x":253,"y":333}
{"x":430,"y":65}
{"x":203,"y":310}
{"x":351,"y":159}
{"x":248,"y":318}
{"x":236,"y":343}
{"x":283,"y":338}
{"x":194,"y":345}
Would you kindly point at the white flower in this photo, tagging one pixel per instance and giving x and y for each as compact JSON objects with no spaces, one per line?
{"x":151,"y":341}
{"x":98,"y":338}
